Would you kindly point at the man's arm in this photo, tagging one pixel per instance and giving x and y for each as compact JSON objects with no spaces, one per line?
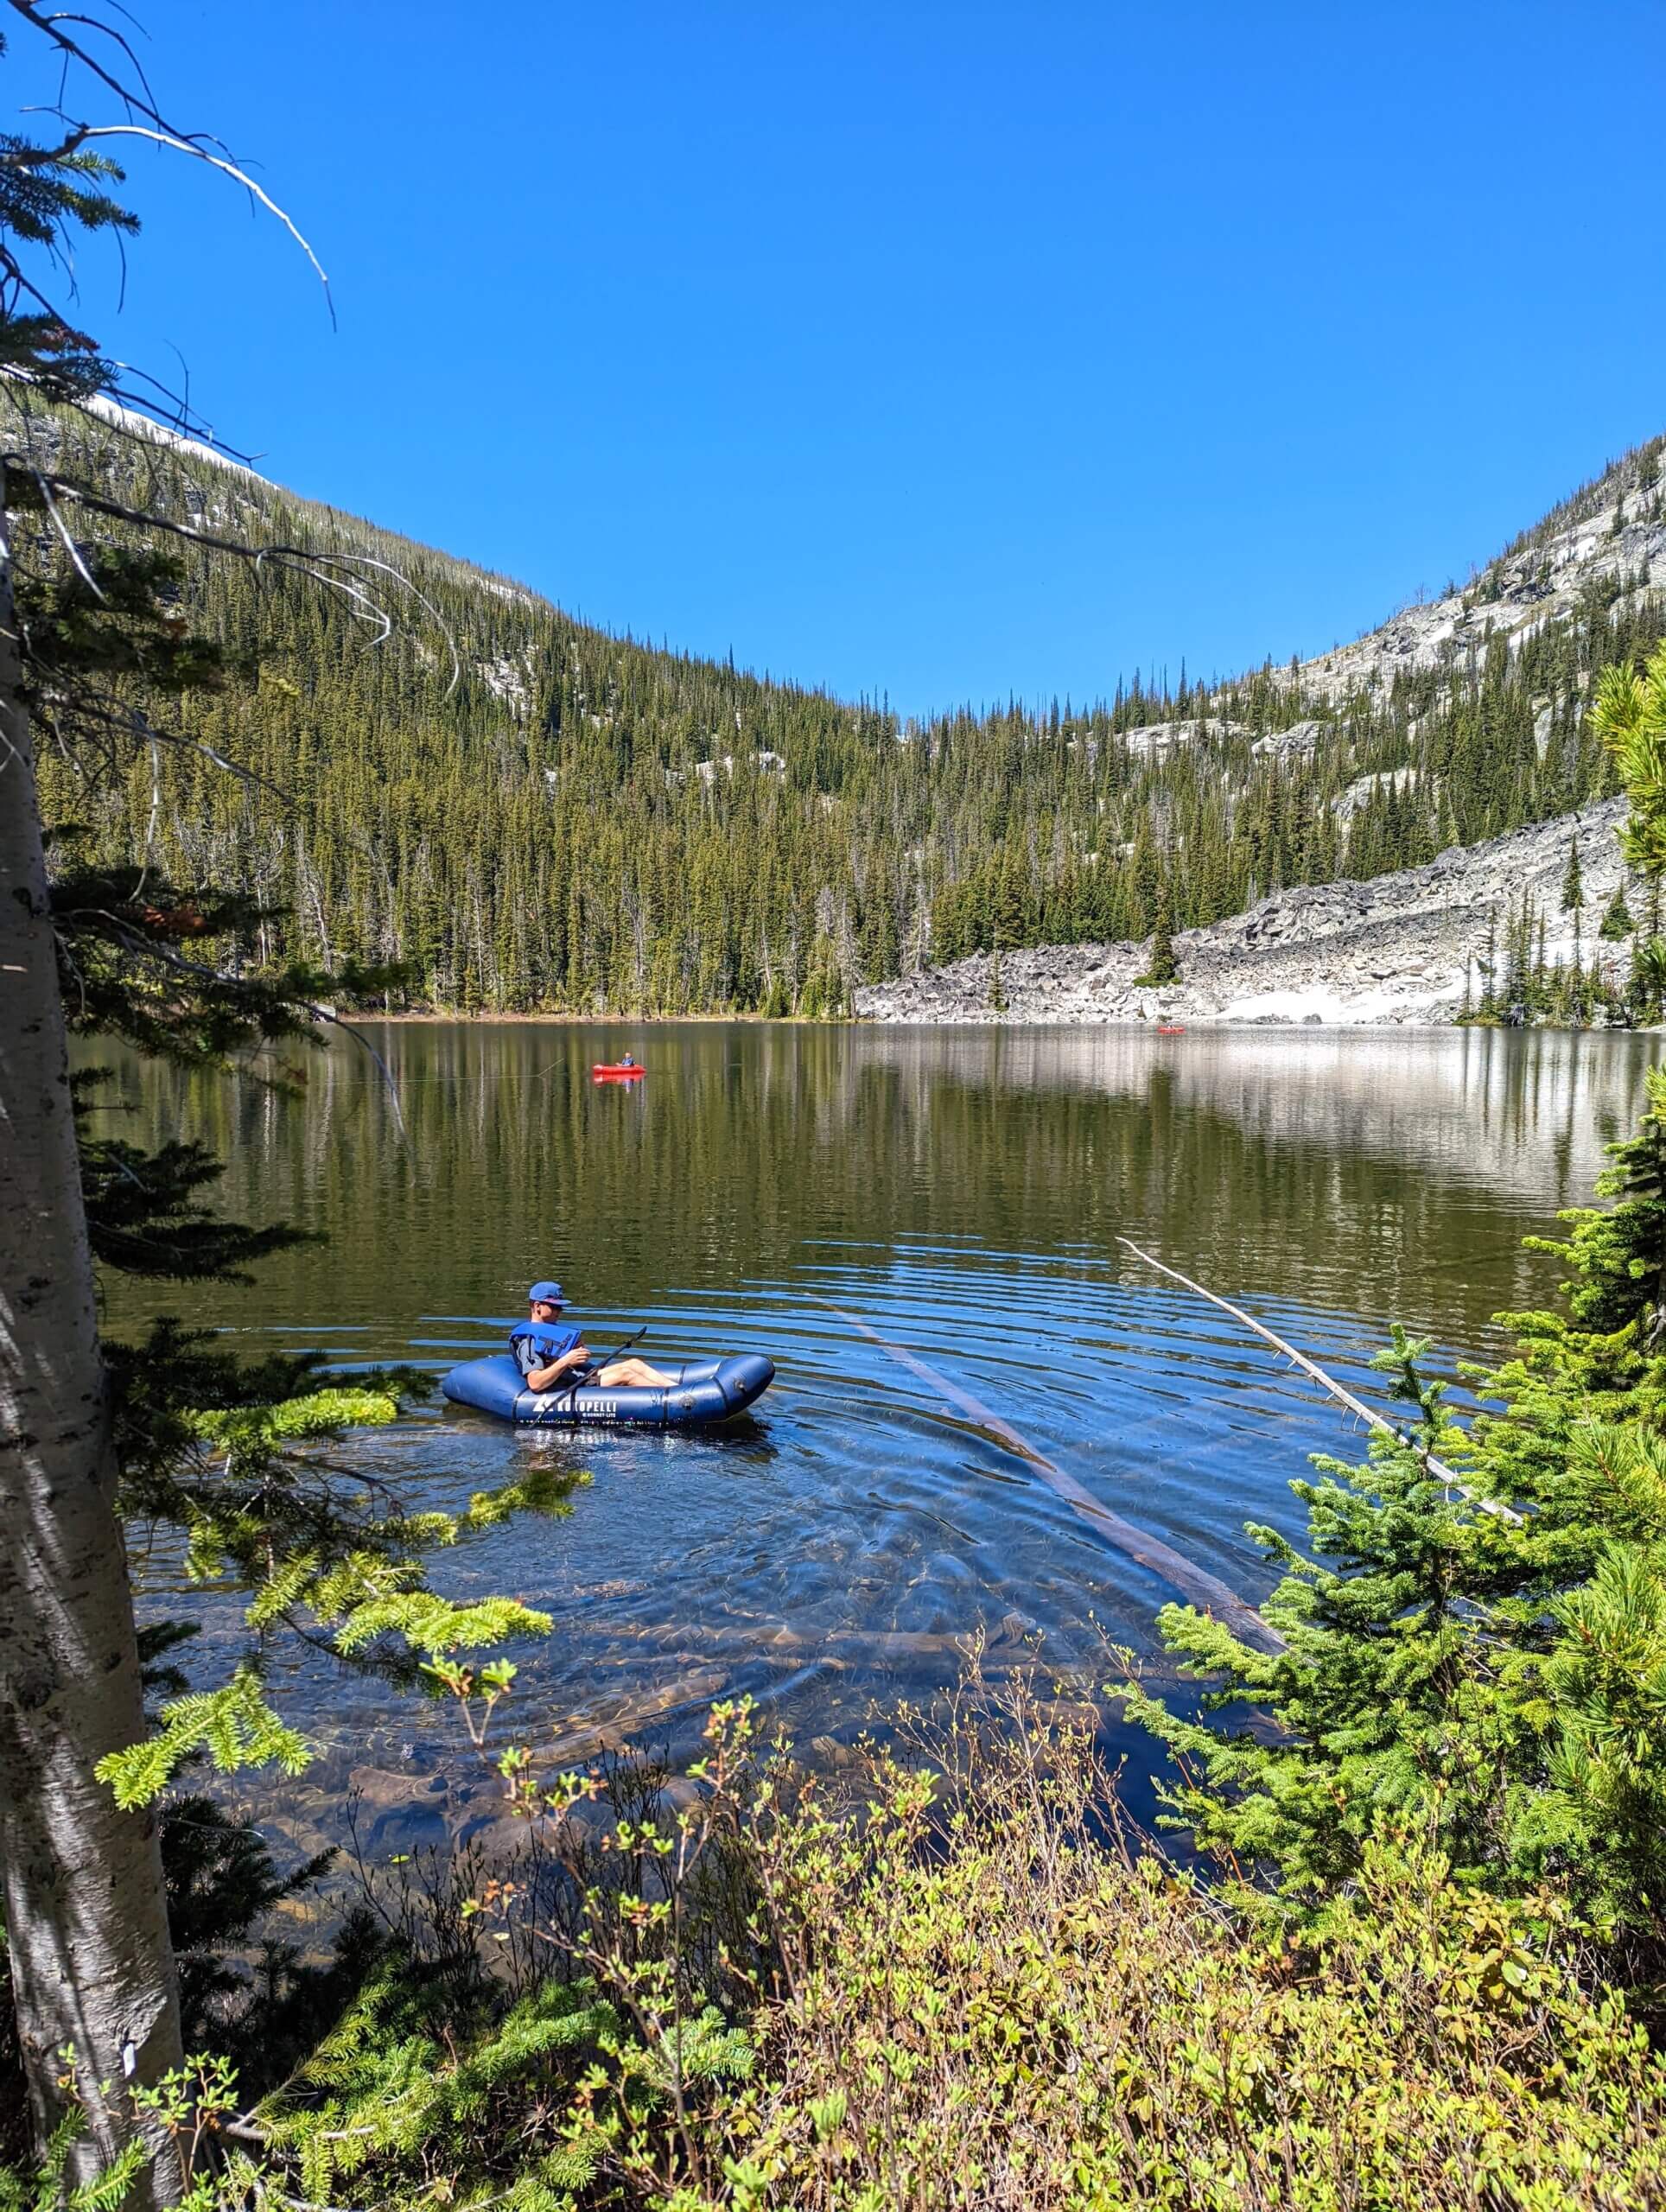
{"x":544,"y":1378}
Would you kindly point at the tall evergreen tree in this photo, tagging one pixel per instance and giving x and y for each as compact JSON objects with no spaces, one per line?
{"x":1162,"y":967}
{"x":96,"y":659}
{"x":1481,"y":1653}
{"x":1617,"y":924}
{"x":1573,"y":888}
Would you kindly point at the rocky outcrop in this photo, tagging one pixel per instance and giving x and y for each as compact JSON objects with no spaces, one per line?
{"x":1608,"y":541}
{"x":1399,"y":948}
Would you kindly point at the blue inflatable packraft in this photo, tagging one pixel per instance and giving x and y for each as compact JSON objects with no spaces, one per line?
{"x":705,"y":1390}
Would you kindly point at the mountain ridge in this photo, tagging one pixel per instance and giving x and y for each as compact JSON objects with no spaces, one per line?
{"x":582,"y":823}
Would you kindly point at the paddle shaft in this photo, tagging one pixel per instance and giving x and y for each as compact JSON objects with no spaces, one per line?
{"x":601,"y":1365}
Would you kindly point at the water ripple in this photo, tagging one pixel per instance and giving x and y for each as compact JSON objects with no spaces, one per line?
{"x":962,"y":1201}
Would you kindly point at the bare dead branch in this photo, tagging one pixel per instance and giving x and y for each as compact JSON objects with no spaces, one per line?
{"x":180,"y":420}
{"x":226,"y":167}
{"x":1203,"y":1589}
{"x":1328,"y":1383}
{"x":152,"y":425}
{"x":107,"y":30}
{"x":307,"y":559}
{"x":146,"y":949}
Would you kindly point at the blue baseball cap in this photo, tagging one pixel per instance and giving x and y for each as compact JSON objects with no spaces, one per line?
{"x":545,"y":1293}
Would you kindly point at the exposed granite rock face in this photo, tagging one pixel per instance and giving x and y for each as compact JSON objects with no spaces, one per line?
{"x":1609,"y":541}
{"x":1397,"y":949}
{"x":1610,"y":537}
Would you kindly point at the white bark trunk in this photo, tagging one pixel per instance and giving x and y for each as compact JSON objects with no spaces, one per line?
{"x":84,"y":1910}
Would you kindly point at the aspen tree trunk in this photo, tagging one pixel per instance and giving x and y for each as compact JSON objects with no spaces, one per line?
{"x":85,"y":1915}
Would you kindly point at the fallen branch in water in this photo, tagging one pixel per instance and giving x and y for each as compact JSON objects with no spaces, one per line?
{"x":1339,"y":1391}
{"x":1150,"y":1552}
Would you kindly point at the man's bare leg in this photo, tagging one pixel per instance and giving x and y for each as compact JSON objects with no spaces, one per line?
{"x":633,"y":1374}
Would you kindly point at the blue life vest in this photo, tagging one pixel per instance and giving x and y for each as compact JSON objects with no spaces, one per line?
{"x":548,"y":1344}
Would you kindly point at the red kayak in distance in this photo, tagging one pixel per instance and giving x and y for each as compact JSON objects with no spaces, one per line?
{"x":607,"y":1072}
{"x":1171,"y":1029}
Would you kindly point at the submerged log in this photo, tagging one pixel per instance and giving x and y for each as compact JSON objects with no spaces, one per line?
{"x":1161,"y":1560}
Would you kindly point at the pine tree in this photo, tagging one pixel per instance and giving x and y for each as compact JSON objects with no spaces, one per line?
{"x":1370,"y":1690}
{"x":1617,"y":924}
{"x":1479,"y":1654}
{"x":1162,"y":966}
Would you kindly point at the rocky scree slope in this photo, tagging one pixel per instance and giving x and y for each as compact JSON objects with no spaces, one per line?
{"x":1398,"y":948}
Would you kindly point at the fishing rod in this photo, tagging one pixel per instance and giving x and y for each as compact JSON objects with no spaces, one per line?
{"x":1339,"y":1391}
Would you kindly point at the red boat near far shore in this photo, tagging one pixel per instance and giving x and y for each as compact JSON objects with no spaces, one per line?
{"x":617,"y":1071}
{"x":1171,"y":1029}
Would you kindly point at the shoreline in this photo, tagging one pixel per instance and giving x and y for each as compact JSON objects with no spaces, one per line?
{"x":1199,"y":1027}
{"x":491,"y":1017}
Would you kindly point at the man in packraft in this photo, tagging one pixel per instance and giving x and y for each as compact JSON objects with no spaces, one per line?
{"x":552,"y":1355}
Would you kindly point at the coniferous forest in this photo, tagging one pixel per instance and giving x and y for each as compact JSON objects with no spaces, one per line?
{"x":526,"y":814}
{"x":1411,"y":1949}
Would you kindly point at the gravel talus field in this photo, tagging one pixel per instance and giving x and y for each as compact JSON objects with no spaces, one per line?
{"x":1396,"y":950}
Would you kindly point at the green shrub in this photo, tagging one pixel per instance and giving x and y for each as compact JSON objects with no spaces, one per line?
{"x":995,"y":1998}
{"x":965,"y":1985}
{"x":1480,"y":1652}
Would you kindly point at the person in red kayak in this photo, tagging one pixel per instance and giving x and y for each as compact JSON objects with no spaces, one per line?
{"x":550,"y":1354}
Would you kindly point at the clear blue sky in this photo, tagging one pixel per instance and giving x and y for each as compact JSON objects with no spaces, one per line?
{"x":942,"y":351}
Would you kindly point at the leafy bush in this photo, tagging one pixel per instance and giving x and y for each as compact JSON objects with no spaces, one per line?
{"x":995,"y":1998}
{"x":966,"y":1983}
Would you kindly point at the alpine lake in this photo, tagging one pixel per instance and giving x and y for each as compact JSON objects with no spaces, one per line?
{"x":957,"y":1192}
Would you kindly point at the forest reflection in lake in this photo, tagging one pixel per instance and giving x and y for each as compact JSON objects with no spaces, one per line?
{"x":961,"y":1191}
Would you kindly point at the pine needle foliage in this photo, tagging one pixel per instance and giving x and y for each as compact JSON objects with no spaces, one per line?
{"x":1629,"y":718}
{"x":1487,"y":1662}
{"x":48,"y":2189}
{"x":1371,"y":1694}
{"x":231,"y":1455}
{"x":262,"y":1513}
{"x":408,"y":2094}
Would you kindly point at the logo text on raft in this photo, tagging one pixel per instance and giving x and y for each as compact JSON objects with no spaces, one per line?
{"x":591,"y":1409}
